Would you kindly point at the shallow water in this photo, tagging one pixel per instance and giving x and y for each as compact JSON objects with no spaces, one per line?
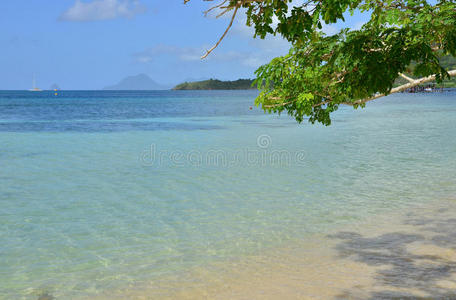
{"x":107,"y":192}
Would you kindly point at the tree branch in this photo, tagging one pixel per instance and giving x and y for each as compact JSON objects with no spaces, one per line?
{"x":412,"y":83}
{"x":213,"y":7}
{"x":400,"y":88}
{"x":406,"y":77}
{"x":224,"y":34}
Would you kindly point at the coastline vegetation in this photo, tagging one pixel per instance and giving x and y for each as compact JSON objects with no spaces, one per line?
{"x":448,"y":62}
{"x":215,"y":84}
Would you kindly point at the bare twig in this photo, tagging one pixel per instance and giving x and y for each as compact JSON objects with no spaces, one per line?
{"x":406,"y":77}
{"x":224,"y":34}
{"x":214,"y":7}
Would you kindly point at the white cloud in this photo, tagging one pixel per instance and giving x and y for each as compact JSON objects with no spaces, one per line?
{"x":98,"y":10}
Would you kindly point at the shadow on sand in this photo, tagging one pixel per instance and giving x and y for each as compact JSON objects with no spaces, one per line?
{"x":402,"y":273}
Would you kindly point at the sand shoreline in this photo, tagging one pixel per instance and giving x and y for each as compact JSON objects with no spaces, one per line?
{"x":400,"y":255}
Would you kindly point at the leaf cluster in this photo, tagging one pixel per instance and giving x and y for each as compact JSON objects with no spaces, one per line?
{"x":322,"y":72}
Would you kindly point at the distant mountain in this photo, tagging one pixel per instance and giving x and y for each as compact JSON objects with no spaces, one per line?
{"x":55,"y":86}
{"x":214,"y":84}
{"x":138,"y":82}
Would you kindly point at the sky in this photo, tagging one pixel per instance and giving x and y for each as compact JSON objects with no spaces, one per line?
{"x":90,"y":44}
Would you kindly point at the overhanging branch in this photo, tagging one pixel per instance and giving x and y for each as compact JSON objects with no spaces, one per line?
{"x":401,"y":88}
{"x":412,"y":83}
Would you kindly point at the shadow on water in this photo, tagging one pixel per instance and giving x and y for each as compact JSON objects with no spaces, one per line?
{"x":46,"y":296}
{"x":401,"y":273}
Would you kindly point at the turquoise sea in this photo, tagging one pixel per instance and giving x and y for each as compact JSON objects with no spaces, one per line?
{"x":102,"y":192}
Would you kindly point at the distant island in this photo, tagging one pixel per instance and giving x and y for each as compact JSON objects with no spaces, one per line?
{"x":55,"y":86}
{"x":215,"y":84}
{"x":138,"y":82}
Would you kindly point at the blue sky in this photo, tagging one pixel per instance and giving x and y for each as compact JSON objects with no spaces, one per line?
{"x":89,"y":44}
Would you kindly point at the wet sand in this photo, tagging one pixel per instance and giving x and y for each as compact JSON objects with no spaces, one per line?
{"x":402,"y":255}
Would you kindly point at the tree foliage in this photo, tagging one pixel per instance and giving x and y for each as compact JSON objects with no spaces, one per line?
{"x":321,"y":71}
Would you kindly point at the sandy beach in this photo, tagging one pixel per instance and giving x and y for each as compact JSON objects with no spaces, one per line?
{"x":405,"y":255}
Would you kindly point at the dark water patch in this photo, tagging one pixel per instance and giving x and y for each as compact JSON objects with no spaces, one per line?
{"x":6,"y":195}
{"x":271,"y":125}
{"x":35,"y":154}
{"x":275,"y":124}
{"x":100,"y":126}
{"x":199,"y":120}
{"x":122,"y":105}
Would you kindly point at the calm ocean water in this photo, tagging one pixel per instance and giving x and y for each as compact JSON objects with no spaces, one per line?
{"x":100,"y":191}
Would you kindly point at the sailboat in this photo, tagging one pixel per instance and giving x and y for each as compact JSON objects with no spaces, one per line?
{"x":34,"y":88}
